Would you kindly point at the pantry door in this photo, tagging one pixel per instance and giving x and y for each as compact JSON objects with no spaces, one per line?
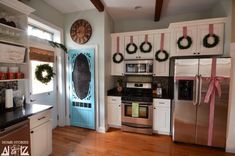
{"x":82,"y":86}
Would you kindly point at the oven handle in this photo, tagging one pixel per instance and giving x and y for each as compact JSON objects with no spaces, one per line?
{"x":141,"y":104}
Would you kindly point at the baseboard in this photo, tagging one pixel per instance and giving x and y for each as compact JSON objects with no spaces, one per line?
{"x":161,"y":132}
{"x":101,"y":129}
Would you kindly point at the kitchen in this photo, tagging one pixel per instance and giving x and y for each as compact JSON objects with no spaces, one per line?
{"x":164,"y":80}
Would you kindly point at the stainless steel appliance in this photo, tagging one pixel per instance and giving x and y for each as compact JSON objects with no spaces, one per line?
{"x":140,"y":93}
{"x":191,"y":113}
{"x":139,"y":67}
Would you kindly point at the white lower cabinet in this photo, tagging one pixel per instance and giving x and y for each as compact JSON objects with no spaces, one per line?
{"x":161,"y":116}
{"x":114,"y":111}
{"x":41,"y":134}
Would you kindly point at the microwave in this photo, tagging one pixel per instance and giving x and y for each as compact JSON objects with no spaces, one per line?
{"x":139,"y":67}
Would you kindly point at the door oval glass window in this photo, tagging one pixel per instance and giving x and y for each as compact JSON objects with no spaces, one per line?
{"x":81,"y":76}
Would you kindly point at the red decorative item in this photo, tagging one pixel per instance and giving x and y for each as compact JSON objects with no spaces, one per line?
{"x":19,"y":75}
{"x":10,"y":75}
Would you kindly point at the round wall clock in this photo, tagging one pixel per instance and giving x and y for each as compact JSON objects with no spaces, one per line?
{"x":81,"y":31}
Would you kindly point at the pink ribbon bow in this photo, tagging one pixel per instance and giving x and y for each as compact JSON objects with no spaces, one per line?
{"x":214,"y":87}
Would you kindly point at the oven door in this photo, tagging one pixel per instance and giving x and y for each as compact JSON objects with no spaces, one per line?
{"x":145,"y":117}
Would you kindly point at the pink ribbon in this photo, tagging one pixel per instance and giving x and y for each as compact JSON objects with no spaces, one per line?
{"x":162,"y":41}
{"x":211,"y":29}
{"x":185,"y":32}
{"x":214,"y":87}
{"x":146,"y":38}
{"x":118,"y":44}
{"x":131,"y":39}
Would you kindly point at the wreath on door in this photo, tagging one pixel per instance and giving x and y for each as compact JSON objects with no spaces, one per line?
{"x":210,"y":45}
{"x":44,"y":73}
{"x":189,"y":42}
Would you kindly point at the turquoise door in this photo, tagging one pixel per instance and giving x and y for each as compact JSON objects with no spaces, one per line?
{"x":82,"y":94}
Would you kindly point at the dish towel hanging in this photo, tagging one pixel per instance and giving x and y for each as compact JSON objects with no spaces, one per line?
{"x":135,"y":110}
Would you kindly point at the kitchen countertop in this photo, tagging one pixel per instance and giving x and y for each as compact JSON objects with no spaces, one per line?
{"x":9,"y":118}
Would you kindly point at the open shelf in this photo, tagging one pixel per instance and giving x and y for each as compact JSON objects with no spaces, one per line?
{"x":12,"y":28}
{"x":12,"y":80}
{"x":13,"y":43}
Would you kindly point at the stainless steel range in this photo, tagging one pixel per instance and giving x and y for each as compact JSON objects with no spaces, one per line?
{"x":137,"y":108}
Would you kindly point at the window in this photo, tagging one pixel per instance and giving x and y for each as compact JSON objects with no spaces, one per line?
{"x":37,"y":86}
{"x":40,"y":33}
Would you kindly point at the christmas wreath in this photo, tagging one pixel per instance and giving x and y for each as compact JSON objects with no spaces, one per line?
{"x":166,"y":56}
{"x":189,"y":40}
{"x":128,"y":47}
{"x":115,"y":55}
{"x":145,"y":50}
{"x":208,"y":45}
{"x":39,"y":73}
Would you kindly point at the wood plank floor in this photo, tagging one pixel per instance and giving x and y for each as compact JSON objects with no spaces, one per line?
{"x":73,"y":141}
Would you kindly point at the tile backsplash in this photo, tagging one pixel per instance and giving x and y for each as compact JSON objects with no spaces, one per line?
{"x":167,"y":84}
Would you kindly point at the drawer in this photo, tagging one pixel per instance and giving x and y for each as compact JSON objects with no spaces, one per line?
{"x":114,"y":99}
{"x":162,"y":103}
{"x":40,"y":118}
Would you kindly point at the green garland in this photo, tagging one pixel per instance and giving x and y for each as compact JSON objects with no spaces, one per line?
{"x":58,"y":45}
{"x":180,"y":46}
{"x":40,"y":69}
{"x":147,"y":50}
{"x":129,"y":45}
{"x":161,"y":59}
{"x":115,"y":59}
{"x":208,"y":45}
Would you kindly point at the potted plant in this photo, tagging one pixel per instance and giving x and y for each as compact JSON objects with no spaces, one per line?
{"x":120,"y":85}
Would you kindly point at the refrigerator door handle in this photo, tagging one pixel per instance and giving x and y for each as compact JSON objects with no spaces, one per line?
{"x":196,"y":96}
{"x":200,"y":90}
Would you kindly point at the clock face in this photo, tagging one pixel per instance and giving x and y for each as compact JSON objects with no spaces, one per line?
{"x":81,"y":31}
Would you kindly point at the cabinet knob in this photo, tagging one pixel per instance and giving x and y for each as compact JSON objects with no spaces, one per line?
{"x":32,"y":132}
{"x":198,"y":53}
{"x":154,"y":108}
{"x":194,"y":53}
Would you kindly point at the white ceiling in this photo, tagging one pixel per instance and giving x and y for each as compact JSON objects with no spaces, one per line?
{"x":124,"y":9}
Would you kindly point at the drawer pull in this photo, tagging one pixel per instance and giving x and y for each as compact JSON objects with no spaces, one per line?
{"x":41,"y":118}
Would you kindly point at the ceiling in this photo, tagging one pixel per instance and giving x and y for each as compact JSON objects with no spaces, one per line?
{"x":124,"y":9}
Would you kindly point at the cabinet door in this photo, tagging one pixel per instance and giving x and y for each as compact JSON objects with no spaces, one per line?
{"x":161,"y":68}
{"x":41,"y":140}
{"x":203,"y":30}
{"x":136,"y":42}
{"x":148,"y":55}
{"x":117,"y":69}
{"x":114,"y":111}
{"x":161,"y":120}
{"x":176,"y":34}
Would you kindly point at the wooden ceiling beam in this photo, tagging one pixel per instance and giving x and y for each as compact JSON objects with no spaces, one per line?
{"x":158,"y":9}
{"x":98,"y":4}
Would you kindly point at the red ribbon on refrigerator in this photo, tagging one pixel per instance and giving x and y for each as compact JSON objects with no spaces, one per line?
{"x":214,"y":87}
{"x":118,"y":46}
{"x":146,"y":38}
{"x":211,"y":29}
{"x":185,"y":32}
{"x":162,"y":41}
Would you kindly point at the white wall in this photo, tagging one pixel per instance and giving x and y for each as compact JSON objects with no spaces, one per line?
{"x":109,"y":27}
{"x":148,"y":24}
{"x":97,"y":21}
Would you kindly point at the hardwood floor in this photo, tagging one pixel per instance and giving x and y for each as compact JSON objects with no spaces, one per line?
{"x":73,"y":141}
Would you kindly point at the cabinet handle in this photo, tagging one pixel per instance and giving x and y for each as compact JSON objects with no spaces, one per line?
{"x":198,"y":53}
{"x":32,"y":132}
{"x":41,"y":118}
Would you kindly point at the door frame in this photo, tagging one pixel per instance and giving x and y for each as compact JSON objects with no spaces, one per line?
{"x":96,"y":76}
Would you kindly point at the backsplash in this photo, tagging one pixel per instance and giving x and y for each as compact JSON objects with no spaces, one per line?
{"x":6,"y":85}
{"x":167,"y":84}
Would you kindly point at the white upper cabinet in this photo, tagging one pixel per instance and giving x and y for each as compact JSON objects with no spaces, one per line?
{"x":134,"y":51}
{"x":161,"y":68}
{"x":197,"y":31}
{"x":117,"y":68}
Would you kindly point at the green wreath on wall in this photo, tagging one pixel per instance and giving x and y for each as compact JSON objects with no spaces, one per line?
{"x":44,"y":78}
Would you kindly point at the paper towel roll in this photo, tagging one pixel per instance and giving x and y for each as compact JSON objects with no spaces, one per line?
{"x":8,"y":98}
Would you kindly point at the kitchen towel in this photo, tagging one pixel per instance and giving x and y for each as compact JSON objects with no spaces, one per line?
{"x":135,"y":110}
{"x":8,"y":98}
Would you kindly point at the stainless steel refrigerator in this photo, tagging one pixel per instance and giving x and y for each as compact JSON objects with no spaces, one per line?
{"x":190,"y":113}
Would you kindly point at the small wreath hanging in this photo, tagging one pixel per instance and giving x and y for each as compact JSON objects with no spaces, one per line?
{"x":115,"y":57}
{"x":128,"y":47}
{"x":161,"y":59}
{"x":145,"y":50}
{"x":39,"y":73}
{"x":207,"y":44}
{"x":189,"y":40}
